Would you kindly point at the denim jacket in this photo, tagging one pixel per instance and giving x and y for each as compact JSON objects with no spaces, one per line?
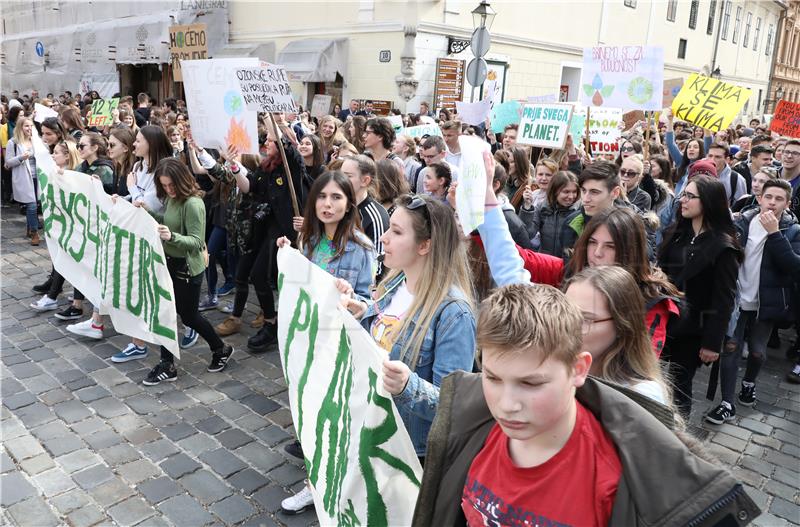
{"x":356,"y":265}
{"x":449,"y":345}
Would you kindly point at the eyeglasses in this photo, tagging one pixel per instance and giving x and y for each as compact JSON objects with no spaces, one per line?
{"x":688,"y":196}
{"x":628,"y":173}
{"x":791,"y":153}
{"x":588,"y":323}
{"x":626,"y":149}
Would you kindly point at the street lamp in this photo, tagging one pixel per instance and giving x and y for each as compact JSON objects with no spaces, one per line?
{"x":483,"y":15}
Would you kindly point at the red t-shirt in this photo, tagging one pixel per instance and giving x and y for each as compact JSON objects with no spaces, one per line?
{"x":575,"y":487}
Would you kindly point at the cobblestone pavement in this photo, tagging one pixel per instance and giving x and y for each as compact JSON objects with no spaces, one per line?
{"x":85,"y":443}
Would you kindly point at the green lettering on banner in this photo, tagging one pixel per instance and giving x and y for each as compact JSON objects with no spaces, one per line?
{"x":369,"y":448}
{"x":147,"y":270}
{"x":55,"y":215}
{"x":335,"y":413}
{"x":135,"y":309}
{"x":119,"y":234}
{"x":160,"y":292}
{"x":78,"y":255}
{"x":104,"y":245}
{"x":303,"y":300}
{"x":66,"y":206}
{"x":301,"y":384}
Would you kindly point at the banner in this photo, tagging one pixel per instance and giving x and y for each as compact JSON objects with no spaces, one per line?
{"x":471,"y":189}
{"x":474,"y":113}
{"x":361,"y":465}
{"x":545,"y":125}
{"x":110,"y":252}
{"x":604,"y":130}
{"x":709,"y":103}
{"x":422,"y":130}
{"x":266,"y":88}
{"x":102,"y":112}
{"x":630,"y":77}
{"x":786,"y":120}
{"x":321,"y":105}
{"x":505,"y":114}
{"x":541,"y":99}
{"x":672,"y":88}
{"x":186,"y":43}
{"x":216,"y":108}
{"x":42,"y":112}
{"x":631,"y":118}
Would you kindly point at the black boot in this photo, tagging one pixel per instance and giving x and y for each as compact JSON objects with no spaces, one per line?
{"x":266,"y":337}
{"x":774,"y":339}
{"x":44,"y":287}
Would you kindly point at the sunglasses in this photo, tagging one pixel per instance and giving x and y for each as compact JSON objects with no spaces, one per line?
{"x":627,"y":149}
{"x":415,"y":202}
{"x":81,"y":146}
{"x":628,"y":173}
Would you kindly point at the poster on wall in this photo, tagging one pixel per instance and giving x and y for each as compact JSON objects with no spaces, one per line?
{"x":494,"y":86}
{"x":628,"y":77}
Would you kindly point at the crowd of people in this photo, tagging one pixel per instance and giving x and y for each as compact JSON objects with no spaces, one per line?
{"x":611,"y":278}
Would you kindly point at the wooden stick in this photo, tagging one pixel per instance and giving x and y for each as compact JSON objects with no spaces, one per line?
{"x":647,"y":135}
{"x":286,"y":170}
{"x":586,"y":139}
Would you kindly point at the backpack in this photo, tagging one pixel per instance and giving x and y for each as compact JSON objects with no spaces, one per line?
{"x":734,"y":182}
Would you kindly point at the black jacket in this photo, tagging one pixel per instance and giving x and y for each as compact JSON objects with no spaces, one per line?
{"x":705,"y":268}
{"x":780,"y":265}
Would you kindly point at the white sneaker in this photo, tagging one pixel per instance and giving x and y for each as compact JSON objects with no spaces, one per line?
{"x":86,"y":329}
{"x":45,"y":304}
{"x":298,"y":503}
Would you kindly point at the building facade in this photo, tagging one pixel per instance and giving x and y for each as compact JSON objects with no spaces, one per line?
{"x":785,"y":80}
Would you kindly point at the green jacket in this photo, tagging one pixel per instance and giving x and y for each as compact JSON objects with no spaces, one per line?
{"x":187,"y":222}
{"x":663,"y":482}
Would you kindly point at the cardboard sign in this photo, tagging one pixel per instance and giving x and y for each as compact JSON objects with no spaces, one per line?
{"x":603,"y":128}
{"x":422,"y":130}
{"x":186,"y":43}
{"x":42,"y":112}
{"x":397,"y":122}
{"x":474,"y":113}
{"x":320,"y":105}
{"x":266,"y":88}
{"x":471,"y":189}
{"x":630,"y":77}
{"x":545,"y":125}
{"x":631,"y":118}
{"x":510,"y":112}
{"x":709,"y":103}
{"x":786,"y":120}
{"x":672,"y":87}
{"x":101,"y":112}
{"x":542,"y":99}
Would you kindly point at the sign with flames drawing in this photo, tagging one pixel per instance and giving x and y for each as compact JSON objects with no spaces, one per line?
{"x":216,"y":106}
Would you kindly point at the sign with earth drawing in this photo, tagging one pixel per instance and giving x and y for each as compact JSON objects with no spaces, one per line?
{"x":627,"y":77}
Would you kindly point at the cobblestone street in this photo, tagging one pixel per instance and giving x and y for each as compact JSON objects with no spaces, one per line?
{"x":85,"y":443}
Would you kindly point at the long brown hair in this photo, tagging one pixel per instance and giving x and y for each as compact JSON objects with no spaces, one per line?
{"x":185,"y":183}
{"x":391,"y":181}
{"x":630,"y":358}
{"x":630,"y":246}
{"x":561,"y":179}
{"x":71,"y":119}
{"x":125,"y":136}
{"x":314,"y":230}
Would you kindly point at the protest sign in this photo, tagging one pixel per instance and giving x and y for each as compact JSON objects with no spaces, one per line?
{"x":474,"y":113}
{"x":630,"y":77}
{"x":266,"y":88}
{"x":545,"y":125}
{"x":604,"y":130}
{"x":709,"y":103}
{"x":397,"y":122}
{"x":422,"y":130}
{"x":102,"y":112}
{"x":110,"y":251}
{"x":471,"y":189}
{"x":786,"y":120}
{"x":42,"y":112}
{"x":321,"y":105}
{"x":672,"y":88}
{"x":631,"y":118}
{"x":216,"y":107}
{"x":361,"y":465}
{"x":186,"y":43}
{"x":542,"y":99}
{"x":505,"y":114}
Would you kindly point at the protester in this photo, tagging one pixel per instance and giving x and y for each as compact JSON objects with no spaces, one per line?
{"x":310,"y":147}
{"x":546,"y":222}
{"x":790,"y":171}
{"x":93,"y":149}
{"x":354,"y":131}
{"x":532,"y":199}
{"x":437,"y":180}
{"x":734,"y":183}
{"x":519,"y":175}
{"x":53,"y":133}
{"x":25,"y":183}
{"x":630,"y":173}
{"x":760,"y":156}
{"x":405,"y":148}
{"x":120,"y":150}
{"x":758,"y":179}
{"x":73,"y":123}
{"x":330,"y":135}
{"x":701,"y":256}
{"x":510,"y":136}
{"x":351,"y":111}
{"x":391,"y":184}
{"x":450,"y":132}
{"x":378,"y":138}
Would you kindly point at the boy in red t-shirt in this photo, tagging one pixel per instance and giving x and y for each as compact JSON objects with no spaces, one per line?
{"x":547,"y":460}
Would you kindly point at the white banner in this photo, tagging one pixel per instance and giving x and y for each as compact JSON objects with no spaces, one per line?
{"x":110,"y":252}
{"x":471,"y":189}
{"x":361,"y":464}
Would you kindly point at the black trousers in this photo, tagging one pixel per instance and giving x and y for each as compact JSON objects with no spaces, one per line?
{"x":57,"y":285}
{"x":187,"y":298}
{"x":683,"y":356}
{"x":259,"y":267}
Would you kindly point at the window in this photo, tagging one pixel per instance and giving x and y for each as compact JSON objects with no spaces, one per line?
{"x":712,"y":13}
{"x":672,"y":7}
{"x":630,"y":3}
{"x":768,"y":45}
{"x":726,"y":19}
{"x":757,"y":34}
{"x":747,"y":23}
{"x":737,"y":25}
{"x":695,"y":7}
{"x":682,"y":48}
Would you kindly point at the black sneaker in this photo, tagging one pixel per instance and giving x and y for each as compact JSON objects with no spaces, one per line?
{"x":44,"y":287}
{"x":748,"y":395}
{"x":164,"y":371}
{"x":220,"y":360}
{"x":794,"y":375}
{"x":721,"y":414}
{"x":266,"y":337}
{"x":295,"y":450}
{"x":71,"y":313}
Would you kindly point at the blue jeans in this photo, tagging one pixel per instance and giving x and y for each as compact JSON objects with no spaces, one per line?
{"x":217,"y":243}
{"x":756,"y":333}
{"x":32,"y":216}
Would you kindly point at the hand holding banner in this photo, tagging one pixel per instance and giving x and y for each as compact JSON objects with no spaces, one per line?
{"x":709,"y":103}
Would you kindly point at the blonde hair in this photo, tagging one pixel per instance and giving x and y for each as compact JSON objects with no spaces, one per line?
{"x":536,"y":318}
{"x":630,"y":359}
{"x":337,"y":138}
{"x":72,"y":154}
{"x":18,"y":137}
{"x":445,"y":267}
